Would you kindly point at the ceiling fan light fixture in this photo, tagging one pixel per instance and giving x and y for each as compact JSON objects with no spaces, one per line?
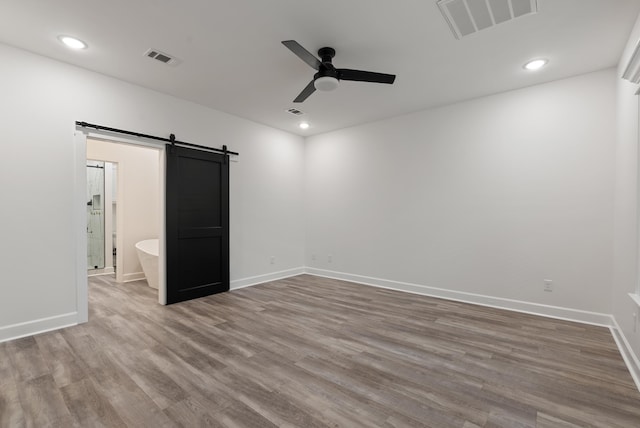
{"x":326,"y":83}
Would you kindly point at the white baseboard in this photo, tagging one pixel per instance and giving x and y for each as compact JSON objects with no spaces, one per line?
{"x":556,"y":312}
{"x":30,"y":328}
{"x":129,"y":277}
{"x":105,"y":271}
{"x":259,"y":279}
{"x":629,"y":357}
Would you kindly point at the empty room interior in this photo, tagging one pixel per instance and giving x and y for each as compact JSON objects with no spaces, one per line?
{"x":320,"y":214}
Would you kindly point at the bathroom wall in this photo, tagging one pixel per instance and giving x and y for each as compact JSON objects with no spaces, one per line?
{"x":41,"y":100}
{"x":139,"y":172}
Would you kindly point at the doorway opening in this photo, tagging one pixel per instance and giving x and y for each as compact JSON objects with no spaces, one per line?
{"x":124,"y":207}
{"x":120,"y":183}
{"x":192,"y":180}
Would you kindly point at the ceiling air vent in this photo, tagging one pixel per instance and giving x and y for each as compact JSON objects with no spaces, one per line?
{"x":161,"y":56}
{"x":470,"y":16}
{"x":295,"y":111}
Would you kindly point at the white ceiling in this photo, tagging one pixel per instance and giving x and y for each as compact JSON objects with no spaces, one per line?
{"x":232,"y":58}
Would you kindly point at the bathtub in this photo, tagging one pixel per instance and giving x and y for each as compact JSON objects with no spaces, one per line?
{"x":148,"y":255}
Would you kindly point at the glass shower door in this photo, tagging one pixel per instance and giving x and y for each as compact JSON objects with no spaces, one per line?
{"x":95,"y":215}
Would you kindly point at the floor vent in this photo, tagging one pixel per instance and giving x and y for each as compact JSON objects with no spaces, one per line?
{"x":161,"y":56}
{"x":295,"y":111}
{"x":470,"y":16}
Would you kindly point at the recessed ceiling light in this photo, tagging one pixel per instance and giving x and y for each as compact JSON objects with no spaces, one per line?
{"x":72,"y":42}
{"x":535,"y":64}
{"x":304,"y":125}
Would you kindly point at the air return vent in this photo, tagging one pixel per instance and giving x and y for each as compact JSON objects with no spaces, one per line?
{"x":295,"y":111}
{"x":161,"y":56}
{"x":470,"y":16}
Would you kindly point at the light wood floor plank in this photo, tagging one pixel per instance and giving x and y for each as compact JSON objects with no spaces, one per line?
{"x":11,"y":412}
{"x":88,"y":407}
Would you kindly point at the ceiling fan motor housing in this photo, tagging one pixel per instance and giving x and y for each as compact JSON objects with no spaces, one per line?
{"x":326,"y":79}
{"x":326,"y":54}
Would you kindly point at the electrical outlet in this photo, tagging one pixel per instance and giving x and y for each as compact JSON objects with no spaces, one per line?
{"x":329,"y":258}
{"x":273,"y":260}
{"x":548,"y":285}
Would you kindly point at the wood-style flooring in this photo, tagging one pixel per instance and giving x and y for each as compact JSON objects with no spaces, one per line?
{"x":312,"y":352}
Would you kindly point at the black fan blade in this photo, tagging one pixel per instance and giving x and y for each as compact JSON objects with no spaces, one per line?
{"x":302,"y":53}
{"x":308,"y":90}
{"x":365,"y":76}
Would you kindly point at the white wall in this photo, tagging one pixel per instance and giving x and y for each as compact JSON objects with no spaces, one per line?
{"x":489,"y":196}
{"x":139,"y":172}
{"x":41,"y":100}
{"x":626,"y":202}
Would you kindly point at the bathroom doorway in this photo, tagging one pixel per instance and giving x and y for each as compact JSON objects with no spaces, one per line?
{"x":123,"y":204}
{"x":200,"y":203}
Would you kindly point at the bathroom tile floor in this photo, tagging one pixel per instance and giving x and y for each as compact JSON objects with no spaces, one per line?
{"x":312,"y":352}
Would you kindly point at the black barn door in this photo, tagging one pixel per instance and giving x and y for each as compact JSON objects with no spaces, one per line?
{"x":197,"y":201}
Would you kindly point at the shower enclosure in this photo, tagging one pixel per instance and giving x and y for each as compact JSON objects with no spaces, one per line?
{"x":95,"y":215}
{"x":101,"y":216}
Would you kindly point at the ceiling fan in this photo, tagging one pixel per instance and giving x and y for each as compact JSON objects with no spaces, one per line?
{"x":328,"y":77}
